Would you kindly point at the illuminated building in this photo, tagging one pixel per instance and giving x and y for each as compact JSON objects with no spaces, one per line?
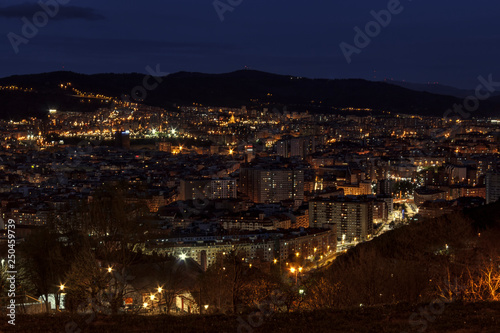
{"x":353,"y":217}
{"x":272,"y":185}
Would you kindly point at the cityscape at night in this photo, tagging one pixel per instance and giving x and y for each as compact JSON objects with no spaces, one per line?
{"x":218,"y":167}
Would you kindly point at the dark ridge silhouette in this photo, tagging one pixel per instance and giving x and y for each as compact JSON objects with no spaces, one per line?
{"x":251,"y":88}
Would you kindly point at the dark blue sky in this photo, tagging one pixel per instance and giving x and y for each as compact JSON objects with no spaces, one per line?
{"x":452,"y":42}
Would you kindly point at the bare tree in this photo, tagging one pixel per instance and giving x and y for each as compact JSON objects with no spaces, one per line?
{"x":43,"y":262}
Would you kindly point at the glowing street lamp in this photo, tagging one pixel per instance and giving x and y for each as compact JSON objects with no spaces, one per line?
{"x":110,"y":269}
{"x":296,"y":271}
{"x":160,"y":289}
{"x":58,"y":296}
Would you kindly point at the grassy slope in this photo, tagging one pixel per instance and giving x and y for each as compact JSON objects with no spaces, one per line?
{"x":479,"y":317}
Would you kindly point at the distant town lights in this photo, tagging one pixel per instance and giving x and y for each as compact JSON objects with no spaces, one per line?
{"x":52,"y":110}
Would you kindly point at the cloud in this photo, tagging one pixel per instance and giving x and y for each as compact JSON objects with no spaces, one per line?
{"x":65,"y":12}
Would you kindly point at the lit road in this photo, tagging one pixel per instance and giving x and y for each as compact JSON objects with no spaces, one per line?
{"x":325,"y":262}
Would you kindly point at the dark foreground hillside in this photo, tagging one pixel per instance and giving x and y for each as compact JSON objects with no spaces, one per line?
{"x":455,"y":317}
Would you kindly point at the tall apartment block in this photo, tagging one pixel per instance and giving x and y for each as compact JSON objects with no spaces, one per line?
{"x":353,"y":218}
{"x":291,"y":147}
{"x":207,"y":188}
{"x":492,"y":187}
{"x":272,"y":185}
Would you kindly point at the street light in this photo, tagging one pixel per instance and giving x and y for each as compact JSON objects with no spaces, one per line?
{"x":61,"y":289}
{"x":110,"y":269}
{"x":296,"y":271}
{"x":160,"y":289}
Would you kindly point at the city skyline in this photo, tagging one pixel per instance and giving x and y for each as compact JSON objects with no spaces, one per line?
{"x":249,"y":166}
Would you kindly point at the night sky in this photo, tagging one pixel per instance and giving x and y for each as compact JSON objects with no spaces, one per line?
{"x":452,"y":42}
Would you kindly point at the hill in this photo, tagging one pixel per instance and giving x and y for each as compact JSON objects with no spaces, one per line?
{"x":473,"y":317}
{"x":439,"y":89}
{"x":450,"y":257}
{"x":246,"y":87}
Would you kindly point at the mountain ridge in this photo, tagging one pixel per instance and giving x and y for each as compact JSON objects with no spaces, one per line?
{"x":252,"y":88}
